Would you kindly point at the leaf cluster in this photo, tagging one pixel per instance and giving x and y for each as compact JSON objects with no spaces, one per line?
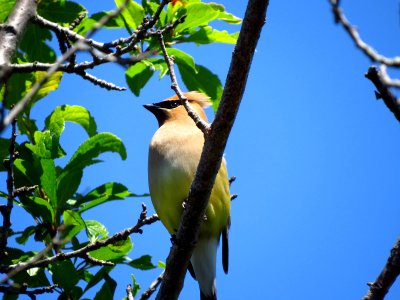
{"x":52,"y":196}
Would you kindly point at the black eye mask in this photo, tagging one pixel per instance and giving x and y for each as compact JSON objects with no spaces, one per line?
{"x":168,"y":104}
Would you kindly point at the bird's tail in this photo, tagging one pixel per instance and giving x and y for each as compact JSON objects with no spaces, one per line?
{"x":203,"y":261}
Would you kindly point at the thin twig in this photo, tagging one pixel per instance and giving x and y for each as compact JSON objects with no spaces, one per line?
{"x":355,"y":36}
{"x":152,"y":288}
{"x":383,"y":91}
{"x":21,"y":105}
{"x":380,"y":287}
{"x":22,"y":290}
{"x":100,"y":82}
{"x":6,"y":210}
{"x":201,"y":124}
{"x":96,"y":261}
{"x":389,"y":82}
{"x":129,"y":294}
{"x":71,"y":35}
{"x":120,"y":236}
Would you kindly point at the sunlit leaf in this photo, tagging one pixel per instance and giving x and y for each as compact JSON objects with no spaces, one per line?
{"x":207,"y":35}
{"x":76,"y":114}
{"x":197,"y":14}
{"x":137,"y":76}
{"x":48,"y":181}
{"x":224,"y":15}
{"x":70,"y":177}
{"x":113,"y":251}
{"x":132,"y":14}
{"x":182,"y":58}
{"x":6,"y":7}
{"x":106,"y":192}
{"x":204,"y":81}
{"x":95,"y":230}
{"x":73,"y":224}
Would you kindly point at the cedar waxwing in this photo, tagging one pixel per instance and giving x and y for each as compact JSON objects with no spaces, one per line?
{"x":174,"y":154}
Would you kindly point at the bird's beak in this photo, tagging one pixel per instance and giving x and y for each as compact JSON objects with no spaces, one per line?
{"x":151,"y":107}
{"x":158,"y":112}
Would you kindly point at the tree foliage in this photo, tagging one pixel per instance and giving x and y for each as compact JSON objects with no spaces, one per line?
{"x":49,"y":191}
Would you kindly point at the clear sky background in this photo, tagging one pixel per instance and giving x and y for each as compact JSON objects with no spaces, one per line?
{"x":315,"y":156}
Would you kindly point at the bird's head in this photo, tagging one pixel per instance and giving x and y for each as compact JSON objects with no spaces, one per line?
{"x":171,"y":109}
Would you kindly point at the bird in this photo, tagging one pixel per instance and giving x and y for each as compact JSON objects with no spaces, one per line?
{"x":174,"y":154}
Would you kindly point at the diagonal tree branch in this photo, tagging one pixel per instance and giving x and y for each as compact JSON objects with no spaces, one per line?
{"x":380,"y":287}
{"x":181,"y":251}
{"x":152,"y":288}
{"x":202,"y":125}
{"x":355,"y":36}
{"x":11,"y":32}
{"x":384,"y":93}
{"x":6,"y":209}
{"x":12,"y":270}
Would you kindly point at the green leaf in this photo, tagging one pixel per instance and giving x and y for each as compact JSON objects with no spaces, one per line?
{"x":26,"y":173}
{"x":157,"y":64}
{"x":133,"y":13}
{"x":107,"y":290}
{"x":26,"y":234}
{"x":50,"y":85}
{"x":204,"y":81}
{"x":73,"y":223}
{"x":20,"y":84}
{"x":225,"y":16}
{"x":135,"y":286}
{"x":93,"y":147}
{"x":161,"y":265}
{"x":98,"y":277}
{"x":65,"y":274}
{"x":35,"y":278}
{"x":55,"y":122}
{"x":68,"y":183}
{"x":88,"y":23}
{"x":207,"y":35}
{"x":39,"y":207}
{"x":114,"y":251}
{"x":150,"y":8}
{"x":95,"y":230}
{"x":46,"y":146}
{"x":182,"y":58}
{"x":61,"y":12}
{"x":34,"y":45}
{"x":6,"y":7}
{"x":106,"y":192}
{"x":142,"y":263}
{"x":4,"y":153}
{"x":137,"y":76}
{"x":17,"y":87}
{"x":69,"y":179}
{"x":198,"y":14}
{"x":48,"y":181}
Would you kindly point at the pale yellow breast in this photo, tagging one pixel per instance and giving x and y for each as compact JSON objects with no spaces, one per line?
{"x":173,"y":158}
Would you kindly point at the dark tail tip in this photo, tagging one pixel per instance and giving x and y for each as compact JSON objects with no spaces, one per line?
{"x":211,"y":297}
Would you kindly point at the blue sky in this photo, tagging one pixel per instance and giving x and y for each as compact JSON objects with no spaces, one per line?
{"x":314,"y":155}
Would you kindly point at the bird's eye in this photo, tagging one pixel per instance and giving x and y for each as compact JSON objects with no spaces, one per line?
{"x":169,"y":104}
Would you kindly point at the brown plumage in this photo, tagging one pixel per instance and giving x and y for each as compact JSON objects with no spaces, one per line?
{"x":174,"y":154}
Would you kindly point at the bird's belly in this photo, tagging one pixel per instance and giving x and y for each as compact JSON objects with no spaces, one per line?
{"x":169,"y":182}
